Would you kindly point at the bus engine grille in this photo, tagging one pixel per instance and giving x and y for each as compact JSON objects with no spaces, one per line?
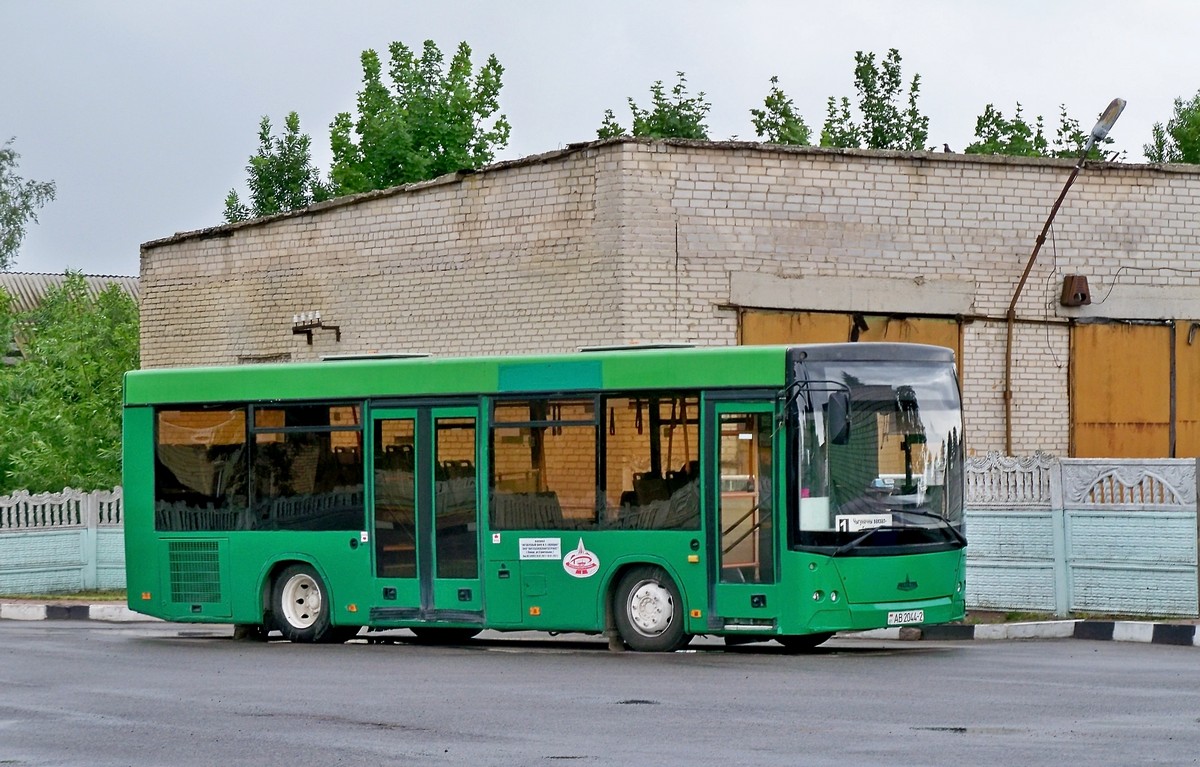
{"x":195,"y":571}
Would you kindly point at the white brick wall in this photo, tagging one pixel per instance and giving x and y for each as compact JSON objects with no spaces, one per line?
{"x":636,"y":241}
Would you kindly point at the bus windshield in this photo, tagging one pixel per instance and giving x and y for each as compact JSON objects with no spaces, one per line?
{"x":880,"y":456}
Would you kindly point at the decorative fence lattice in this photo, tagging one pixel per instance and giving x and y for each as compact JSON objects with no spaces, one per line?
{"x":997,"y":480}
{"x":58,"y":511}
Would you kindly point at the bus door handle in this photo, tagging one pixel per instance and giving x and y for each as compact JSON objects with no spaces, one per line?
{"x":354,"y":543}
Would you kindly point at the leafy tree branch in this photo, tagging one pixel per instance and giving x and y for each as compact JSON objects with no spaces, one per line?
{"x":20,"y":200}
{"x":280,"y":176}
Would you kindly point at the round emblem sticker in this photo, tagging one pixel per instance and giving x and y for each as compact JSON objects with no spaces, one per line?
{"x":581,"y":563}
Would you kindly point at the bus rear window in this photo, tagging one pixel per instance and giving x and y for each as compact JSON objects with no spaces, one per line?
{"x":200,"y":477}
{"x":296,"y":468}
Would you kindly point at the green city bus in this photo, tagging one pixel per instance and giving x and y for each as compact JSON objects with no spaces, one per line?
{"x":649,"y":494}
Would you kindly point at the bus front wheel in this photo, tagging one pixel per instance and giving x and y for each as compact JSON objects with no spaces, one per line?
{"x":649,"y":611}
{"x":301,"y":607}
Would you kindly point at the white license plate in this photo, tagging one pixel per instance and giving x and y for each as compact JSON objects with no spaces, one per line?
{"x":906,"y":616}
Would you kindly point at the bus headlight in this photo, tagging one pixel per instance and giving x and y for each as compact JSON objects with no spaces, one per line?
{"x":818,"y":595}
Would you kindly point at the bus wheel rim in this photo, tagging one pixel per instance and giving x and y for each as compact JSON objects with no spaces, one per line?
{"x":651,"y":608}
{"x":301,"y":601}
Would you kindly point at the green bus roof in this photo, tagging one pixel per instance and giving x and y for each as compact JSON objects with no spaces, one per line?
{"x":633,"y":368}
{"x":356,"y":378}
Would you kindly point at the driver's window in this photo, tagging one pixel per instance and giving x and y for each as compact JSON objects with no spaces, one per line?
{"x":746,"y":507}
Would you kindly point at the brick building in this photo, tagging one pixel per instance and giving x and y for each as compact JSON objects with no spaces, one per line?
{"x":627,"y":240}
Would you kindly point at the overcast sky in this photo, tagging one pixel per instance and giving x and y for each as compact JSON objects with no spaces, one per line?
{"x":144,"y":112}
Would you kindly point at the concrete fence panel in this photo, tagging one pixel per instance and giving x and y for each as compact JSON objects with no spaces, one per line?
{"x":1082,"y":535}
{"x":61,"y":542}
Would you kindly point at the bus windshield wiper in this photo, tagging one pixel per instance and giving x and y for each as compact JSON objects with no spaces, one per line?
{"x":854,"y":544}
{"x":953,"y":530}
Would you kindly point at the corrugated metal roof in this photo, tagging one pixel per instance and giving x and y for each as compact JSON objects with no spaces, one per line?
{"x":29,"y":288}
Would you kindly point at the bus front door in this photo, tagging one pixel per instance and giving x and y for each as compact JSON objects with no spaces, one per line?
{"x":742,"y":520}
{"x":425,"y":506}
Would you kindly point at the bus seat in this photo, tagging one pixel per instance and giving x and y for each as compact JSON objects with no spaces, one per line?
{"x":650,"y":487}
{"x":526,"y":511}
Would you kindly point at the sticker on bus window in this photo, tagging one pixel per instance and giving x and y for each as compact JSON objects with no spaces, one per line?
{"x":853,"y":523}
{"x":581,"y":563}
{"x":539,"y":548}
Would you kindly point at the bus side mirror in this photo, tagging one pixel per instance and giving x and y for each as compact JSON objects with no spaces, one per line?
{"x":838,"y":413}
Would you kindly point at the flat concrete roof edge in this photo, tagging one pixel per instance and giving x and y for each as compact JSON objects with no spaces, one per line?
{"x":228,"y":230}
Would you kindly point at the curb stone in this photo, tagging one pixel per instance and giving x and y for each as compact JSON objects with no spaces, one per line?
{"x":1117,"y":631}
{"x":111,"y":613}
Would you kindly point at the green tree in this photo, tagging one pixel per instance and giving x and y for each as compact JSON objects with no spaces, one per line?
{"x":675,"y":116}
{"x":777,"y":122}
{"x":1179,"y":139}
{"x":281,"y":176}
{"x":995,"y":134}
{"x":19,"y":202}
{"x":610,"y":128}
{"x":890,"y":119}
{"x":60,"y":417}
{"x":433,"y":120}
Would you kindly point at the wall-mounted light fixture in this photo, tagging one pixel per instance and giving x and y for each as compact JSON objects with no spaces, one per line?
{"x":306,"y":322}
{"x":1075,"y":291}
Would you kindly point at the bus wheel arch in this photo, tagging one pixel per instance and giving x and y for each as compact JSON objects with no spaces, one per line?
{"x":647,"y":608}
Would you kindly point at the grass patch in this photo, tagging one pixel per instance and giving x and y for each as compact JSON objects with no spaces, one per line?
{"x":976,"y":617}
{"x":74,"y":596}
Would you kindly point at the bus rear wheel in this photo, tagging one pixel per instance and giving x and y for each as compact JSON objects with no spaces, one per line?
{"x":300,"y":605}
{"x":803,"y":642}
{"x":649,"y":611}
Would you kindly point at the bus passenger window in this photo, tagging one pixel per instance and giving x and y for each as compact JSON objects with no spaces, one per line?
{"x":307,"y":468}
{"x":652,"y":467}
{"x":543,"y":473}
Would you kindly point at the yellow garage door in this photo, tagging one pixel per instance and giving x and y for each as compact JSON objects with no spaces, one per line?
{"x":1121,"y":391}
{"x":760,"y":326}
{"x":1187,"y":389}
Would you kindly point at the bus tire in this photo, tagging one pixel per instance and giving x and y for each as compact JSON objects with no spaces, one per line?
{"x":300,"y":605}
{"x":443,"y":635}
{"x":648,"y":610}
{"x":803,"y":642}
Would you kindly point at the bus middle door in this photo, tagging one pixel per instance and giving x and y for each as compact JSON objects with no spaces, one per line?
{"x":425,"y":507}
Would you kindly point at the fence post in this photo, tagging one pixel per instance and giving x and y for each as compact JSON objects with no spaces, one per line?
{"x":1058,"y":517}
{"x":91,"y":512}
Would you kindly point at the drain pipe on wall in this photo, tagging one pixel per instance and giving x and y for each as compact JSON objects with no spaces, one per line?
{"x":1099,"y":132}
